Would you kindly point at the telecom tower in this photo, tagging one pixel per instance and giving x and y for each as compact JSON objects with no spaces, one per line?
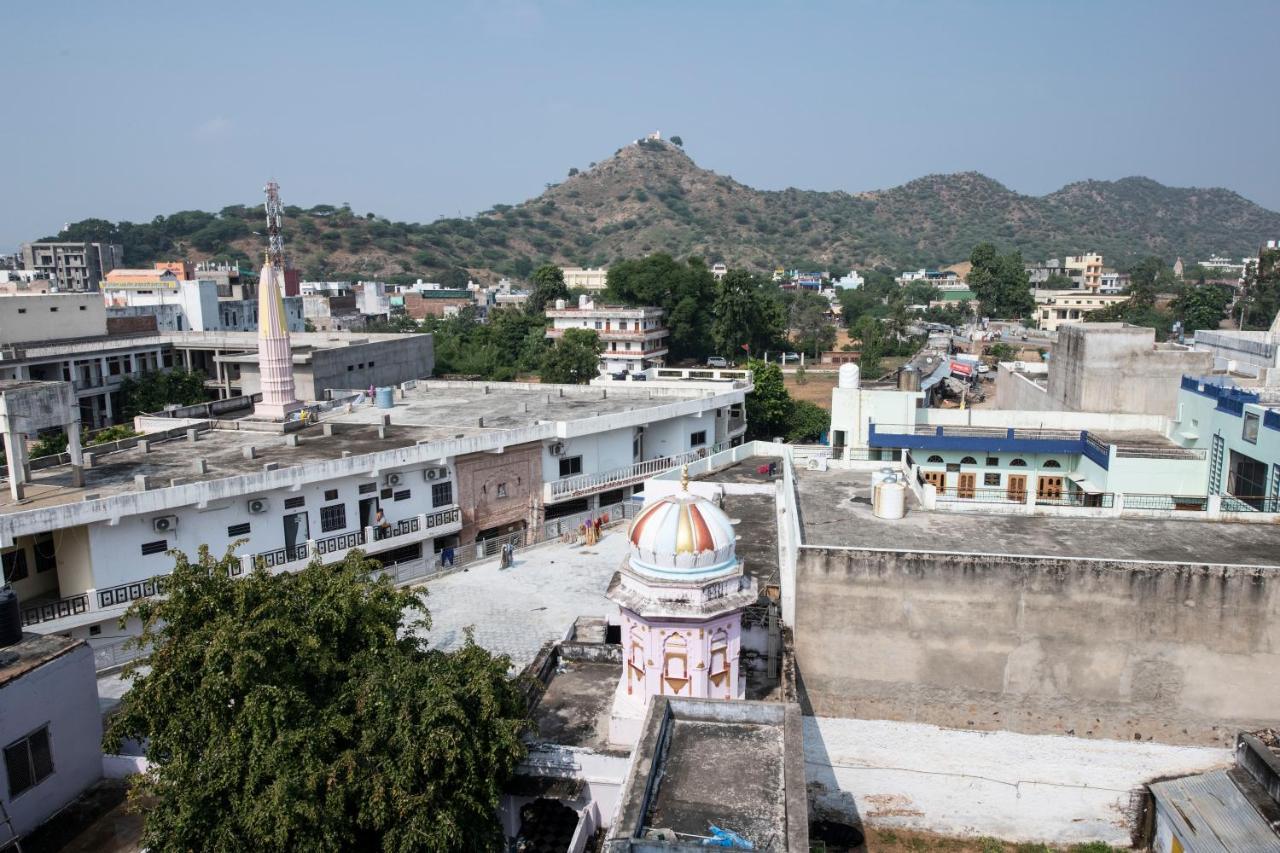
{"x":275,"y":215}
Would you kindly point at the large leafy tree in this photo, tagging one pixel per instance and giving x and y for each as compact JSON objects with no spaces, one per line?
{"x":748,"y":317}
{"x":1262,"y":291}
{"x":1201,"y":306}
{"x":151,"y":392}
{"x":574,"y":359}
{"x":769,"y":404}
{"x":295,"y":712}
{"x":813,"y":331}
{"x":548,"y":286}
{"x":1000,"y":282}
{"x":683,"y":290}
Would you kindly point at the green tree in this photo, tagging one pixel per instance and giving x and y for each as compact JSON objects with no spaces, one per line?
{"x":814,"y":332}
{"x":873,"y":345}
{"x":1261,"y":297}
{"x":682,"y":290}
{"x":151,"y":392}
{"x":1000,"y":282}
{"x":1149,"y":278}
{"x":769,"y":404}
{"x":747,"y":318}
{"x":1200,"y":306}
{"x":1057,"y":281}
{"x":574,"y":359}
{"x":677,"y":141}
{"x":294,"y":712}
{"x":548,"y":286}
{"x":807,"y":422}
{"x":1001,"y":351}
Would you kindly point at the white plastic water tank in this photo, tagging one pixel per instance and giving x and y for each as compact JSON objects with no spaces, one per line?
{"x":889,"y":500}
{"x":849,"y":376}
{"x":559,"y":304}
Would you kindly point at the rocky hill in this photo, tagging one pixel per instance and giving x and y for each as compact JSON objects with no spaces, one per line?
{"x":651,"y":197}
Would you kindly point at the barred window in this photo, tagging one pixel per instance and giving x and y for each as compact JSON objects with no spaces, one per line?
{"x":442,"y":494}
{"x":333,"y":517}
{"x":157,"y":547}
{"x":238,"y":529}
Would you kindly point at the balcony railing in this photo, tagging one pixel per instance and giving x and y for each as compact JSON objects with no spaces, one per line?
{"x":47,"y":611}
{"x":128,"y":592}
{"x":585,"y":484}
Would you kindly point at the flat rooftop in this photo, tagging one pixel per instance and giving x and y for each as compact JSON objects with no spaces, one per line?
{"x":835,"y":509}
{"x":32,"y":652}
{"x":516,"y":611}
{"x":433,"y":411}
{"x":574,"y":709}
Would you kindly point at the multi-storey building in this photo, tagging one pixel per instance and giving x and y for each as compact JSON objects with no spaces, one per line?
{"x":587,"y":278}
{"x":453,"y":465}
{"x":1088,"y":267}
{"x":184,"y":304}
{"x":1056,"y":307}
{"x":633,"y":338}
{"x":75,"y":266}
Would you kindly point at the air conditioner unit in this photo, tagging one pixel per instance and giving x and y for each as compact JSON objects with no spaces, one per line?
{"x":164,"y":523}
{"x":394,"y":479}
{"x":258,"y":506}
{"x":437,"y":473}
{"x":557,"y":448}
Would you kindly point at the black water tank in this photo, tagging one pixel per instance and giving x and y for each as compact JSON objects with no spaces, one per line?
{"x":10,"y":618}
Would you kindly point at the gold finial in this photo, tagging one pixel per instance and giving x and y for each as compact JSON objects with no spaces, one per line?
{"x":684,"y":477}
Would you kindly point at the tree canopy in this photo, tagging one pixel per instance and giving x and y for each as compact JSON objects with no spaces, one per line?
{"x":574,"y":359}
{"x":1000,"y":282}
{"x":294,"y":712}
{"x":151,"y":392}
{"x":771,"y":411}
{"x":1262,"y":291}
{"x":683,"y":290}
{"x":548,"y":286}
{"x":747,"y":314}
{"x":813,"y":331}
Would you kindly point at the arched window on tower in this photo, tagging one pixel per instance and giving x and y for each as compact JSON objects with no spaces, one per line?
{"x":675,"y":665}
{"x":718,"y":674}
{"x":635,"y":657}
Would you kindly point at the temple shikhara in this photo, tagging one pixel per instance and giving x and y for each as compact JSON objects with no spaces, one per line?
{"x":681,"y":592}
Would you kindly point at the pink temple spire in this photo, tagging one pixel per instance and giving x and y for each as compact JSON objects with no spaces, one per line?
{"x":275,"y":356}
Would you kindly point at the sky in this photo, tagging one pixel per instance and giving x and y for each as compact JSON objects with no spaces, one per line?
{"x":418,"y":109}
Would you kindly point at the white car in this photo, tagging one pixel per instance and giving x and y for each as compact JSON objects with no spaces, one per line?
{"x":717,"y":361}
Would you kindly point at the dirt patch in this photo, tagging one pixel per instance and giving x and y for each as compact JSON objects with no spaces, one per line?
{"x":816,"y":389}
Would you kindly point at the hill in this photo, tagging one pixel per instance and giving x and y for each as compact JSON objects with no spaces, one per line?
{"x":651,"y":197}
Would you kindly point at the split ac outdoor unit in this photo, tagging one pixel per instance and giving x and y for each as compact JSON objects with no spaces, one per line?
{"x":164,"y":523}
{"x":258,"y":505}
{"x":437,"y":473}
{"x":394,"y":479}
{"x":557,"y":448}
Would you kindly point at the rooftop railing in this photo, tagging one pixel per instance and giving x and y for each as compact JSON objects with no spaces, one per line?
{"x":626,"y":475}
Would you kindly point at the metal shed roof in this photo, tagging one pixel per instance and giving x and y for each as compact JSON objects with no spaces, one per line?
{"x":1211,"y":815}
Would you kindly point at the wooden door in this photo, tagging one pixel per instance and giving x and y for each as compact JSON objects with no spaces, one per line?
{"x":937,"y":478}
{"x":968,"y":482}
{"x":1017,"y":487}
{"x":1049,"y":488}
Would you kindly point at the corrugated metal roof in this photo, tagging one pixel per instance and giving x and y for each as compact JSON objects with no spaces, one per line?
{"x":1212,"y":815}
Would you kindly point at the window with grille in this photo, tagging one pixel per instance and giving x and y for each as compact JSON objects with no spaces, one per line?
{"x":368,"y":488}
{"x":157,"y":547}
{"x":402,"y":495}
{"x":442,"y":494}
{"x":331,"y":494}
{"x":333,"y":517}
{"x":699,"y":437}
{"x":28,"y":761}
{"x":238,"y":529}
{"x":294,"y":503}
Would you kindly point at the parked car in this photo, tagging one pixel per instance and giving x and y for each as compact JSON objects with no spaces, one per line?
{"x":790,"y":356}
{"x":717,"y":361}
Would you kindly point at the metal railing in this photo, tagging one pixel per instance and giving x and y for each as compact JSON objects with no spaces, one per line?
{"x":283,"y":556}
{"x":1190,"y":503}
{"x":1132,"y":452}
{"x":982,"y":495}
{"x":627,"y":474}
{"x":47,"y":611}
{"x":1104,"y":500}
{"x":569,"y":524}
{"x":340,"y":542}
{"x":1245,"y":503}
{"x":127,"y":592}
{"x":117,"y":653}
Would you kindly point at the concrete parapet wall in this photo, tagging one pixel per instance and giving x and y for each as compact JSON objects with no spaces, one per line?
{"x":1178,"y":653}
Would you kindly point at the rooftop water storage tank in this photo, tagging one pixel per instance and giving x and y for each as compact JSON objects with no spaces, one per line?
{"x":10,"y":618}
{"x":889,"y":500}
{"x":909,"y":379}
{"x":849,"y":376}
{"x":384,"y":398}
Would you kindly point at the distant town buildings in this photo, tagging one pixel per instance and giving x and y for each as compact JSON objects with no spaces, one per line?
{"x":634,"y":338}
{"x":1087,"y":269}
{"x":180,"y":303}
{"x":719,"y":270}
{"x":74,"y":266}
{"x":849,"y":281}
{"x":1057,"y":307}
{"x":580,"y":278}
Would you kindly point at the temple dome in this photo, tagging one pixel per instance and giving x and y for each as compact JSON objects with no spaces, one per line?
{"x":682,"y":537}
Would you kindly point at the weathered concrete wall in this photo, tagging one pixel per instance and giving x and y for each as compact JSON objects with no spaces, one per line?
{"x":1112,"y":367}
{"x":1183,"y":654}
{"x":1016,"y":391}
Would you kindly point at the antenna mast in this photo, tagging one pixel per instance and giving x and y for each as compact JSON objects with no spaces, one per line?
{"x":275,"y":215}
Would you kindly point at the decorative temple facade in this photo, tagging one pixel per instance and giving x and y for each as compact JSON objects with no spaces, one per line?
{"x":681,"y":591}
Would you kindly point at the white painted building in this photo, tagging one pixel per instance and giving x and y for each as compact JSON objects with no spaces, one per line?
{"x":850,"y":281}
{"x":458,"y":462}
{"x":633,"y":338}
{"x":586,"y":278}
{"x":190,"y":305}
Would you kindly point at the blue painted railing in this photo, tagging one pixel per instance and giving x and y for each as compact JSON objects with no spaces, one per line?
{"x":1271,"y":419}
{"x":983,"y":440}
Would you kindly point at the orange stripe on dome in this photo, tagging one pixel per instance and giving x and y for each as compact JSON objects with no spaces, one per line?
{"x":702,"y":538}
{"x":637,"y":526}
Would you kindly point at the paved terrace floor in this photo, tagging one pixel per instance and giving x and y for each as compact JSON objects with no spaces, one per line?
{"x":835,"y":509}
{"x":514,"y":611}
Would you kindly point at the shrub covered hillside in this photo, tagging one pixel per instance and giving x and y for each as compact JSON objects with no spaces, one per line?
{"x":651,"y":197}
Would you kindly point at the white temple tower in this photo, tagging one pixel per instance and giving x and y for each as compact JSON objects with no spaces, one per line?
{"x":275,"y":357}
{"x":681,"y":592}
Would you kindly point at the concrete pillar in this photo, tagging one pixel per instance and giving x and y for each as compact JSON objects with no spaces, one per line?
{"x":73,"y":443}
{"x":106,"y":407}
{"x":186,"y":359}
{"x":249,"y":452}
{"x":193,"y":435}
{"x":15,"y":452}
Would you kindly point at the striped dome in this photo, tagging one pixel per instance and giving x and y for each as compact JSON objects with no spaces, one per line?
{"x":682,"y":536}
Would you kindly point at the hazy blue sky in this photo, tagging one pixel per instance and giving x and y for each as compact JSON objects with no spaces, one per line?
{"x":416,"y":109}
